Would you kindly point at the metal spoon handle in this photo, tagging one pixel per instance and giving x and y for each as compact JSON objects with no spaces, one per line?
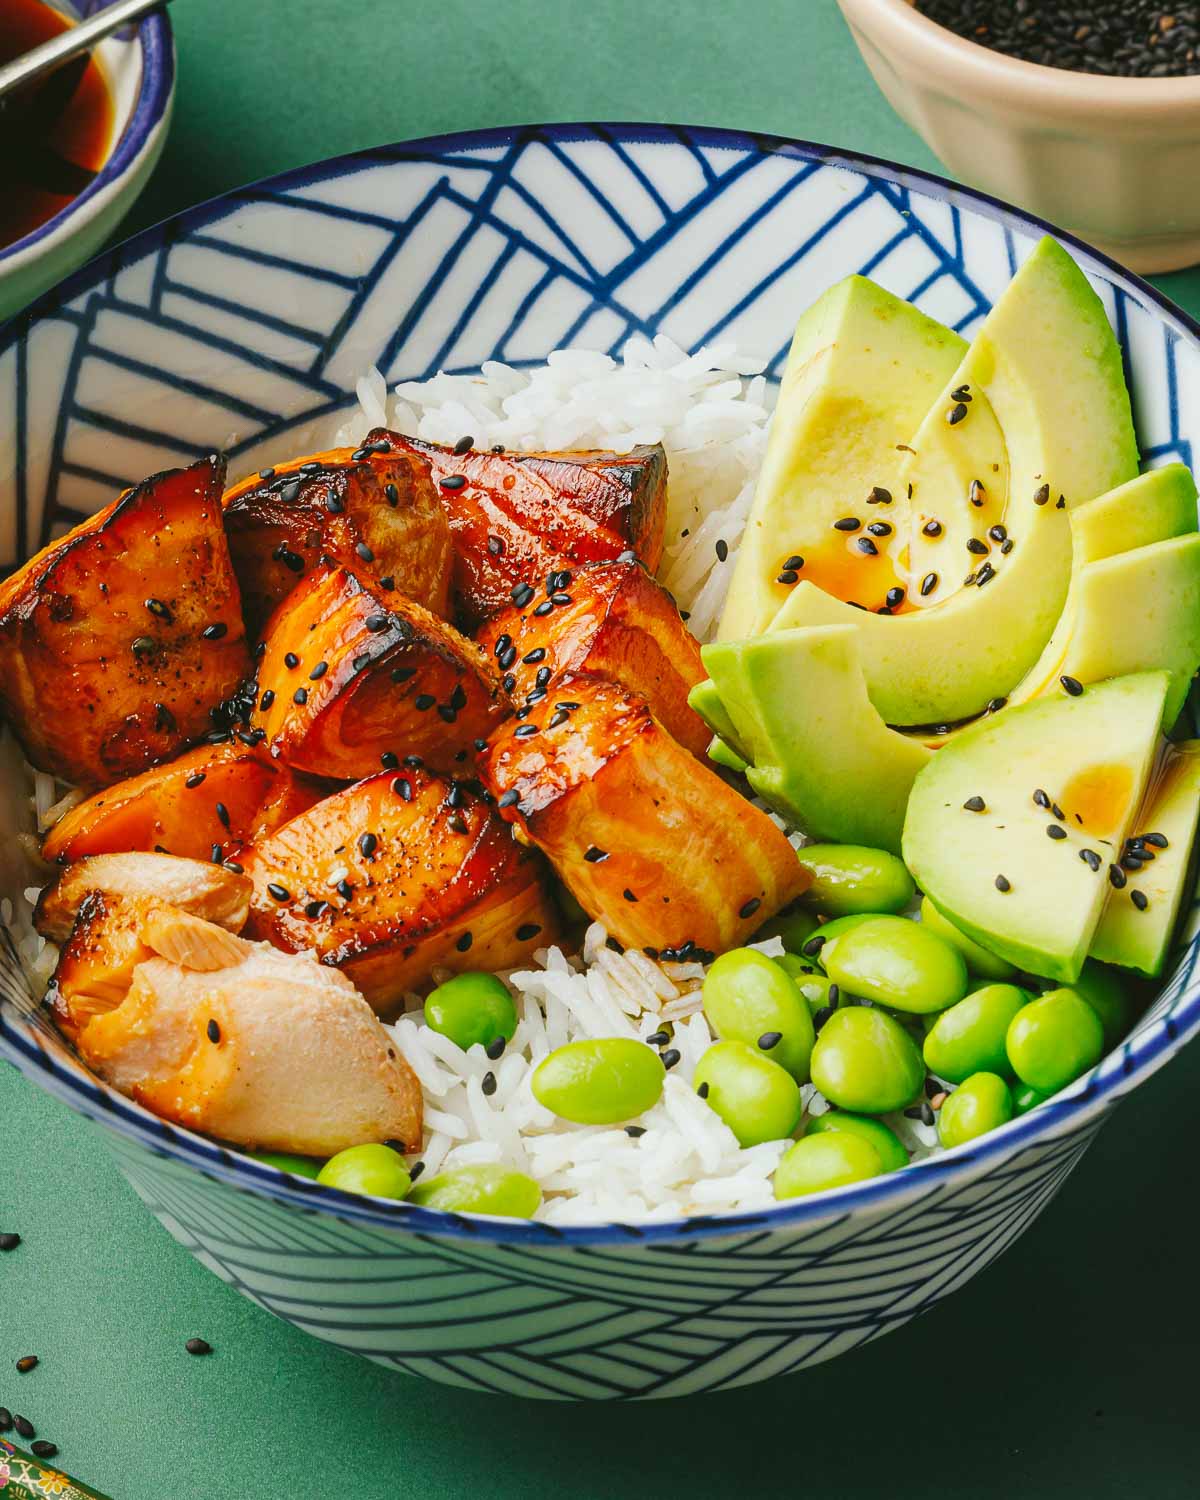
{"x":74,"y":40}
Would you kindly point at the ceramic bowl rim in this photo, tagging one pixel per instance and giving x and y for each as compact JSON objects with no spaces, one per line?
{"x":1072,"y":90}
{"x":1072,"y":1112}
{"x":156,"y":87}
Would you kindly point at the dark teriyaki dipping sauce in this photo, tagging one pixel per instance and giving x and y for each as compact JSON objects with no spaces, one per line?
{"x":55,"y":134}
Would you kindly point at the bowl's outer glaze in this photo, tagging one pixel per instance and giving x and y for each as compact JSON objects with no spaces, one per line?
{"x":139,"y":64}
{"x":244,"y":324}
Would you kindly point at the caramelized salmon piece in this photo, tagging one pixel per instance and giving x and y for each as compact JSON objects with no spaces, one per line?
{"x":610,"y":620}
{"x":375,"y":508}
{"x":518,"y":516}
{"x":116,"y":640}
{"x":352,"y":675}
{"x":206,"y":890}
{"x":265,"y":1049}
{"x":395,"y":875}
{"x":203,"y":804}
{"x":650,"y":842}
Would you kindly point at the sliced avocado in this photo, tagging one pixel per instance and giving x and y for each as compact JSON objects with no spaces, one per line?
{"x":996,"y":872}
{"x":725,"y":755}
{"x":1153,"y":508}
{"x":725,"y":748}
{"x":1137,"y":939}
{"x":863,"y":368}
{"x":821,"y":755}
{"x":1047,"y":416}
{"x":979,"y":961}
{"x":1140,"y":611}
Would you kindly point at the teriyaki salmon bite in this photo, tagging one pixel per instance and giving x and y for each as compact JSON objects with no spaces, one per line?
{"x":620,"y":835}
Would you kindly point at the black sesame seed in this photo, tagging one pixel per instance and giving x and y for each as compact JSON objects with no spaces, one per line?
{"x":1158,"y":840}
{"x":822,"y":1016}
{"x":222,"y":813}
{"x":523,"y":731}
{"x":344,"y":889}
{"x":956,"y":413}
{"x":280,"y":893}
{"x":300,"y":696}
{"x":453,"y":481}
{"x":879,"y":496}
{"x":880,"y":528}
{"x":291,"y":660}
{"x":928,"y":584}
{"x":931,"y":528}
{"x":975,"y":805}
{"x":1139,"y":899}
{"x":1040,"y":798}
{"x":289,"y":493}
{"x":961,"y":393}
{"x":335,"y":507}
{"x":1090,"y":858}
{"x":790,"y":564}
{"x":521,"y":595}
{"x":748,"y":908}
{"x":595,"y":856}
{"x":367,"y":844}
{"x":266,"y":474}
{"x":721,"y":548}
{"x":527,"y":931}
{"x":977,"y":547}
{"x":364,"y":552}
{"x":788,"y":576}
{"x":403,"y":788}
{"x":464,"y":445}
{"x":314,"y":909}
{"x":813,"y":946}
{"x":1116,"y":877}
{"x":488,"y":1084}
{"x":1003,"y":883}
{"x":1055,"y":831}
{"x":998,"y":533}
{"x":769,"y":1039}
{"x":977,"y":494}
{"x":531,"y":658}
{"x":1071,"y":685}
{"x":507,"y":657}
{"x":510,"y":799}
{"x":213,"y":1032}
{"x":894,"y":597}
{"x":847,"y":523}
{"x":1042,"y":496}
{"x":359,"y":455}
{"x":635,"y":1131}
{"x":198,"y":1346}
{"x":544,"y":608}
{"x":424,"y":701}
{"x":1006,"y":546}
{"x":985,"y":575}
{"x":865,"y":544}
{"x":670,"y":1057}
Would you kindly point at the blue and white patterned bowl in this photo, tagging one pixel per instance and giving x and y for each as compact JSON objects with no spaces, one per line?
{"x":251,"y":317}
{"x":138,"y":65}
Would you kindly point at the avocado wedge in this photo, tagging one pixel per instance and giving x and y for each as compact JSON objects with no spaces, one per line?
{"x":1139,"y":937}
{"x":821,"y":755}
{"x":863,"y":368}
{"x":1045,"y":426}
{"x":1011,"y":828}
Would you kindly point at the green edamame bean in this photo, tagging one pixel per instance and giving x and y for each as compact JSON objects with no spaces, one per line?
{"x":815,"y":989}
{"x":748,"y":997}
{"x":486,"y":1189}
{"x":600,"y":1081}
{"x":977,"y":958}
{"x":891,"y":1149}
{"x":829,"y":932}
{"x":299,"y":1166}
{"x":865,"y":1061}
{"x":1103,"y":990}
{"x":979,"y":1104}
{"x":795,"y":966}
{"x":1025,"y":1098}
{"x":897,"y":963}
{"x":850,"y":878}
{"x":757,"y":1099}
{"x":373,"y":1169}
{"x":828,"y":1160}
{"x":470,"y":1008}
{"x":1054,"y":1039}
{"x":792,"y":927}
{"x":970,"y":1036}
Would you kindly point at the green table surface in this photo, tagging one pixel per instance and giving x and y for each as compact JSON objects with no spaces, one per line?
{"x":1066,"y":1369}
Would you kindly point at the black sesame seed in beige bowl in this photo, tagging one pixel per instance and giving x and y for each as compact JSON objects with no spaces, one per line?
{"x":1095,"y":128}
{"x":414,"y":631}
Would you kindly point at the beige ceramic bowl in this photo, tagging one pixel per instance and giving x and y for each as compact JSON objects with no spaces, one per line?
{"x":1115,"y":159}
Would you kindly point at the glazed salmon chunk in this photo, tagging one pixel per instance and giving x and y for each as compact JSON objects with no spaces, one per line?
{"x":610,"y":620}
{"x":515,"y":517}
{"x":117,"y":640}
{"x":261,"y":1048}
{"x":650,"y":842}
{"x":353,"y":676}
{"x":211,"y":891}
{"x":370,"y":506}
{"x":202,"y":805}
{"x":397,"y":875}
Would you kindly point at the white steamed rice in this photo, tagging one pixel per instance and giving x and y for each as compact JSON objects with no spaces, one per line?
{"x":710,"y":410}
